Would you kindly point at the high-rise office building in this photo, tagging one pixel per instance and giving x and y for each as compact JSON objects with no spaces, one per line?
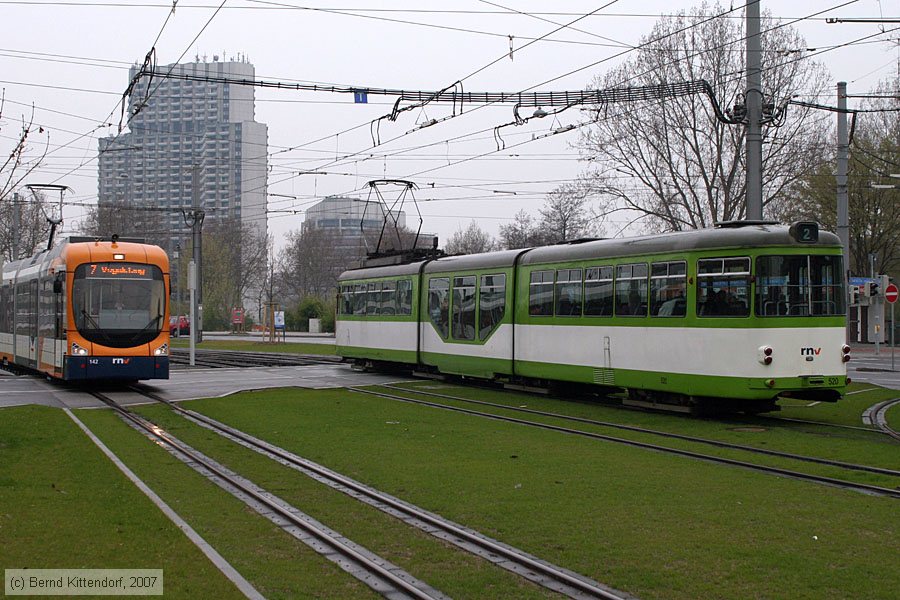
{"x":182,"y":129}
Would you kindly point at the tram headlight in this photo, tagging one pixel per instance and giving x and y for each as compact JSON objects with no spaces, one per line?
{"x":162,"y":350}
{"x":78,"y":350}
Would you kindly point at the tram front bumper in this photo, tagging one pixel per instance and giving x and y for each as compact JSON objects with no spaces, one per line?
{"x":116,"y":367}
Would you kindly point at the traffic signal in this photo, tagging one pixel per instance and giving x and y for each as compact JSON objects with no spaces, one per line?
{"x":873,"y":288}
{"x":854,"y":295}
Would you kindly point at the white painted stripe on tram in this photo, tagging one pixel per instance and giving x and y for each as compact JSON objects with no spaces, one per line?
{"x":217,"y":559}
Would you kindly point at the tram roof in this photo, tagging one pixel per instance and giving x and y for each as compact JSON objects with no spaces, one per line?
{"x":733,"y":237}
{"x":749,"y":236}
{"x":386,"y":271}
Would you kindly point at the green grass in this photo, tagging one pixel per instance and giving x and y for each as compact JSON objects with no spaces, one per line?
{"x":861,"y":447}
{"x":454,"y":572}
{"x":278,"y":565}
{"x":846,"y":411}
{"x":63,"y":504}
{"x":654,"y":525}
{"x":892,"y":416}
{"x":248,"y":346}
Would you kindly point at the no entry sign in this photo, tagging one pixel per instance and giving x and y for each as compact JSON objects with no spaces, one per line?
{"x":890,"y":293}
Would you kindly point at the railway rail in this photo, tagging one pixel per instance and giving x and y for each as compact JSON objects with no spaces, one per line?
{"x":667,"y":434}
{"x":218,"y":359}
{"x":372,"y":570}
{"x":877,"y":416}
{"x":513,"y":559}
{"x":840,"y":483}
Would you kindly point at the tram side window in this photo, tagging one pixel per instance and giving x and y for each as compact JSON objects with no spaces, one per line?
{"x":23,"y":302}
{"x":799,"y":285}
{"x":568,"y":293}
{"x":388,"y":298}
{"x":359,"y":299}
{"x":373,"y":297}
{"x":668,"y":289}
{"x":540,"y":294}
{"x":723,"y":287}
{"x":462,"y":326}
{"x":404,"y":296}
{"x":346,"y":303}
{"x":631,"y":290}
{"x":491,"y":303}
{"x":598,"y":292}
{"x":439,"y":304}
{"x":5,"y":307}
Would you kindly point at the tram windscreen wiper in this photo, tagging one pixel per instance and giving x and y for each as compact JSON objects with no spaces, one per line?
{"x":152,"y":322}
{"x":96,"y":326}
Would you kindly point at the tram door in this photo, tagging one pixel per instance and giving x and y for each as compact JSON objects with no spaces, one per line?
{"x":33,"y":324}
{"x":26,"y":323}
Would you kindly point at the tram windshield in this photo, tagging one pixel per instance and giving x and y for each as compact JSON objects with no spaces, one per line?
{"x":119,"y":304}
{"x":799,"y":286}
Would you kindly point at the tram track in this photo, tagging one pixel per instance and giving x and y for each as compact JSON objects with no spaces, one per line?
{"x":242,"y":359}
{"x":820,"y":479}
{"x":508,"y":557}
{"x":877,"y":416}
{"x":656,"y":432}
{"x":374,"y":571}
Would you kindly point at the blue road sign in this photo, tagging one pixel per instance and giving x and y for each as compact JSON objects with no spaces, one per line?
{"x":360,"y":97}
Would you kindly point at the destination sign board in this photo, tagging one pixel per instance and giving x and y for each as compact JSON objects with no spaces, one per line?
{"x":119,"y":271}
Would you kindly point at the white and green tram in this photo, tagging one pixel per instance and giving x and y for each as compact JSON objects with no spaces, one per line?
{"x":736,"y":316}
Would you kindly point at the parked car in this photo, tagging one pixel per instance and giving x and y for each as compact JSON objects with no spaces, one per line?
{"x":179,"y":325}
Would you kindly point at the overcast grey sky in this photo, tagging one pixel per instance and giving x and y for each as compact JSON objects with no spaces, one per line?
{"x":70,"y":58}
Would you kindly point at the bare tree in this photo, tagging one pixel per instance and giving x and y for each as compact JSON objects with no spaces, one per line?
{"x":566,"y":214}
{"x":234,"y":264}
{"x":126,"y":219}
{"x":313,"y":259}
{"x":17,"y":166}
{"x":874,"y":213}
{"x":673,"y":162}
{"x":522,"y":233}
{"x":23,"y":225}
{"x":471,"y":241}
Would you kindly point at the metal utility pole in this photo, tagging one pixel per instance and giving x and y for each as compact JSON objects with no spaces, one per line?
{"x":17,"y":218}
{"x":753,"y":101}
{"x":843,"y":157}
{"x":192,"y":286}
{"x":196,"y":230}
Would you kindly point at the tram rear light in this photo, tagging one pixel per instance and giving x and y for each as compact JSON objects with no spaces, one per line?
{"x":770,"y":382}
{"x":764,"y":354}
{"x":849,"y":381}
{"x":845,"y":349}
{"x":846,"y":358}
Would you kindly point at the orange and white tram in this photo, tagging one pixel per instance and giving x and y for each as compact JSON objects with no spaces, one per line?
{"x":87,"y":309}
